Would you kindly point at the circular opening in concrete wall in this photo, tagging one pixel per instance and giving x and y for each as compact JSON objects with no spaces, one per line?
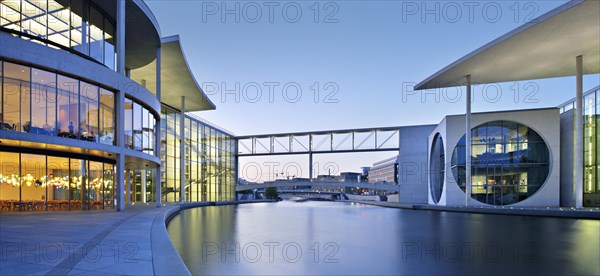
{"x":509,"y":162}
{"x":436,"y":168}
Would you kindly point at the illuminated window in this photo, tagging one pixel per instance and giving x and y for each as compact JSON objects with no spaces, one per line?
{"x":510,"y":162}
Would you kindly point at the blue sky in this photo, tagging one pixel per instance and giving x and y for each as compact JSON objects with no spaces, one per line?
{"x":360,"y":54}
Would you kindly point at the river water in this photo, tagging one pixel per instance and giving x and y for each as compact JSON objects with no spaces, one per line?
{"x":333,"y":238}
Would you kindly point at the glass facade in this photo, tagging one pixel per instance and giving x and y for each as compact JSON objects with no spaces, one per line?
{"x":76,"y":25}
{"x":591,"y":153}
{"x":591,"y":168}
{"x":139,"y":125}
{"x":45,"y":103}
{"x":510,"y":162}
{"x":210,"y":165}
{"x":33,"y":182}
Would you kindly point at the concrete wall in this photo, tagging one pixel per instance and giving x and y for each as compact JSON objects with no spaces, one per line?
{"x":439,"y":129}
{"x":393,"y":198}
{"x":545,"y":122}
{"x":364,"y":197}
{"x":567,"y":153}
{"x":412,"y":164}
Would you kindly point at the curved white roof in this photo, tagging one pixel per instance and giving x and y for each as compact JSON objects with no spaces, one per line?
{"x":546,"y":47}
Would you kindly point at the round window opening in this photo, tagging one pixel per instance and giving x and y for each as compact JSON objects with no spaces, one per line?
{"x":436,"y":168}
{"x":509,"y":162}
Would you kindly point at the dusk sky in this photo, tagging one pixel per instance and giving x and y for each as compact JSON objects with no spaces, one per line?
{"x":354,"y":62}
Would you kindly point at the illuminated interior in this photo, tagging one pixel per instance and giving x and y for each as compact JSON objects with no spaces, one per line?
{"x":70,"y":24}
{"x":44,"y":103}
{"x":209,"y":162}
{"x":591,"y":168}
{"x":510,"y":162}
{"x":32,"y":182}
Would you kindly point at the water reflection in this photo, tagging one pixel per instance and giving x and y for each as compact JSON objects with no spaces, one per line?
{"x":339,"y":238}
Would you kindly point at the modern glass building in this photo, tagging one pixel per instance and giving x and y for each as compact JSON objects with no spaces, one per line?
{"x":560,"y":43}
{"x":95,"y":111}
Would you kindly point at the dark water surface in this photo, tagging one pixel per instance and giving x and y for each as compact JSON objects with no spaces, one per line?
{"x":328,"y":238}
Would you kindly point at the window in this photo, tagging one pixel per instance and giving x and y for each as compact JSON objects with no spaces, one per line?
{"x":68,"y":107}
{"x":510,"y":163}
{"x":43,"y":103}
{"x":107,"y":117}
{"x":137,"y":127}
{"x":16,"y":96}
{"x":96,"y":39}
{"x":34,"y":182}
{"x":88,"y":108}
{"x":128,"y":122}
{"x":75,"y":25}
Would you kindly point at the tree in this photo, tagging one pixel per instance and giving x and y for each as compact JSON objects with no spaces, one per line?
{"x":271,"y":193}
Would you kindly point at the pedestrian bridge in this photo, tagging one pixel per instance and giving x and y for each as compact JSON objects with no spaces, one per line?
{"x":280,"y":184}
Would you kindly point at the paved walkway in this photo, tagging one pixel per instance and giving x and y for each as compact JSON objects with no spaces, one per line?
{"x":134,"y":242}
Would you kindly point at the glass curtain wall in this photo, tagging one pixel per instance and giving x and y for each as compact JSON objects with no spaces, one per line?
{"x":591,"y":154}
{"x":34,"y":182}
{"x":510,"y":162}
{"x":45,"y":103}
{"x":139,"y":127}
{"x":209,"y":160}
{"x":75,"y":25}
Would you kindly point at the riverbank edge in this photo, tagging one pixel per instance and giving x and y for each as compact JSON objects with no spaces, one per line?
{"x":514,"y":211}
{"x":165,"y":258}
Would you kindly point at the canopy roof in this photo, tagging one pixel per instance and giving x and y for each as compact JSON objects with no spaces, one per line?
{"x":176,"y":78}
{"x":546,"y":47}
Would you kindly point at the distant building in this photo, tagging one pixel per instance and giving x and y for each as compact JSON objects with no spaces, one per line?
{"x":384,"y":171}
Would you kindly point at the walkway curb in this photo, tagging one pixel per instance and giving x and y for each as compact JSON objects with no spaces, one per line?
{"x":514,"y":211}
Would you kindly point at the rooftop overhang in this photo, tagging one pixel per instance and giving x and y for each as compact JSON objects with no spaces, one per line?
{"x":142,"y":32}
{"x":546,"y":47}
{"x":177,"y":79}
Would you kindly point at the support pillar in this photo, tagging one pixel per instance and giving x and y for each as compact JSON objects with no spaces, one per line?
{"x":310,"y":166}
{"x":579,"y":134}
{"x":468,"y":143}
{"x":143,"y":185}
{"x":182,"y":151}
{"x":310,"y":158}
{"x":128,"y":184}
{"x":157,"y":130}
{"x":120,"y":109}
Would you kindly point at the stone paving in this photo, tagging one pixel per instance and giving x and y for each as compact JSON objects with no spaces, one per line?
{"x":134,"y":242}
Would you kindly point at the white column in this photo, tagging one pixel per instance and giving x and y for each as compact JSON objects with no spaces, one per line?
{"x":310,"y":158}
{"x":468,"y":144}
{"x":128,"y":183}
{"x":143,"y":182}
{"x":310,"y":167}
{"x":579,"y":134}
{"x":120,"y":109}
{"x":157,"y":130}
{"x":182,"y":151}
